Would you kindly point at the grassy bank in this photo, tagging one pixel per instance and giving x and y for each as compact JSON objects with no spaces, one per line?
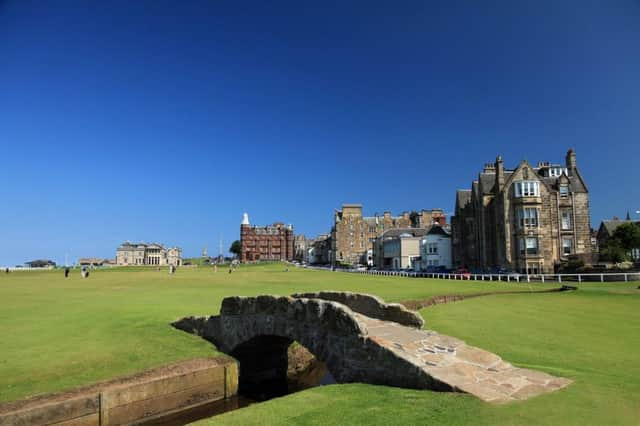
{"x":591,"y":336}
{"x":59,"y":333}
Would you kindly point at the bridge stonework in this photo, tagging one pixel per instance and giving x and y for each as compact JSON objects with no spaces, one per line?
{"x":361,"y":339}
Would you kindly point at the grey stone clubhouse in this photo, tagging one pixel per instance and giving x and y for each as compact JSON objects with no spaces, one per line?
{"x":139,"y":254}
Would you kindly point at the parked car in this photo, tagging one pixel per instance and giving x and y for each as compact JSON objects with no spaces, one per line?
{"x":438,"y":269}
{"x":464,"y":272}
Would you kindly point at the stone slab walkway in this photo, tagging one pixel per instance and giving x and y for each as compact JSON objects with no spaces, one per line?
{"x":465,"y":368}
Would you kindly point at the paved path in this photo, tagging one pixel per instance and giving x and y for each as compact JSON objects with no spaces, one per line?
{"x":463,"y":367}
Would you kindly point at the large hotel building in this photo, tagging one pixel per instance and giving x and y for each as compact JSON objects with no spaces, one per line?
{"x":530,"y":219}
{"x":273,"y":242}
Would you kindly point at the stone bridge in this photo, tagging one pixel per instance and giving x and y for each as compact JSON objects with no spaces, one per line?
{"x":360,"y":339}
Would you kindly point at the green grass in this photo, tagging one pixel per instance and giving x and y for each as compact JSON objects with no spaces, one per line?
{"x":591,"y":336}
{"x":57,"y":334}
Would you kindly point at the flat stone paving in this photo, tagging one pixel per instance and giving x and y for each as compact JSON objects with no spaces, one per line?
{"x":465,"y":368}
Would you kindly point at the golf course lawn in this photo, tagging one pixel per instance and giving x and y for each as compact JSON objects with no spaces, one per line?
{"x":59,"y":333}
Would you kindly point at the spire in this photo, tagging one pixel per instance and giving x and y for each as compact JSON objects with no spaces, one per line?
{"x":628,"y":215}
{"x":245,"y":219}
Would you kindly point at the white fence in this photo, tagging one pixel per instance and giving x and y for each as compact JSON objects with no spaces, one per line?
{"x":559,"y":278}
{"x":25,"y":268}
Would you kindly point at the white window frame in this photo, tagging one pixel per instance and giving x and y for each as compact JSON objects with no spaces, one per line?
{"x":564,"y":191}
{"x":527,"y":217}
{"x":527,"y":188}
{"x":565,"y":220}
{"x":566,"y":240}
{"x":556,"y":171}
{"x":529,"y":243}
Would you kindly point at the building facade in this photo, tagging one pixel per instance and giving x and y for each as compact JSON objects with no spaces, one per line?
{"x":353,"y":235}
{"x":273,"y":242}
{"x":435,"y":249}
{"x":300,"y":244}
{"x":528,"y":219}
{"x":318,"y":250}
{"x":398,"y":248}
{"x":139,"y":254}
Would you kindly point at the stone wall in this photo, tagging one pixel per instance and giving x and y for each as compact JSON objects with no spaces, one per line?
{"x":329,"y":330}
{"x":370,"y":306}
{"x":133,"y":399}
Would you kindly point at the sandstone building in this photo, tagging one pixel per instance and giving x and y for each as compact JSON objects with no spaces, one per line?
{"x":139,"y":254}
{"x":353,"y":234}
{"x":528,"y":219}
{"x":273,"y":242}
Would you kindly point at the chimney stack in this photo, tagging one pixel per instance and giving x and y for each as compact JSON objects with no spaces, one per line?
{"x":499,"y":174}
{"x":571,"y":161}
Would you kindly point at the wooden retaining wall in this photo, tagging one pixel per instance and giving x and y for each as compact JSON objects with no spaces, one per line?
{"x":131,"y":400}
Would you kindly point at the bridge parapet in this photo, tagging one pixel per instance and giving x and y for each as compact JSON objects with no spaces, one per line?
{"x":369,"y":305}
{"x":345,"y":331}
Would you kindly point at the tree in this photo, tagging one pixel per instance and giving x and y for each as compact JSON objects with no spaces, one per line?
{"x":236,"y":248}
{"x":628,"y":234}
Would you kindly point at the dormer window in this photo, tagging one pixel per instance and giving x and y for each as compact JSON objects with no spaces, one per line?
{"x":556,"y":171}
{"x":527,"y":188}
{"x":564,"y":191}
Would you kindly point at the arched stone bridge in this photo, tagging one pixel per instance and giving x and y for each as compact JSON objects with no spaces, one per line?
{"x":360,"y":339}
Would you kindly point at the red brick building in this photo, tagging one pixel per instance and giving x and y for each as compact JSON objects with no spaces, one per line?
{"x":273,"y":242}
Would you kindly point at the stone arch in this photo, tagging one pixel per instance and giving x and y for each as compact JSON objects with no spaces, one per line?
{"x":257,"y":331}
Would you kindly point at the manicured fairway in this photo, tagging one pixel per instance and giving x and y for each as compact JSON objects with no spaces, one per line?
{"x":591,"y":336}
{"x":59,"y":333}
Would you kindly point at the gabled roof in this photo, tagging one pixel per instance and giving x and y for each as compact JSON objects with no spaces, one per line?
{"x":463,"y":197}
{"x":438,"y":230}
{"x":414,"y":232}
{"x":610,"y":226}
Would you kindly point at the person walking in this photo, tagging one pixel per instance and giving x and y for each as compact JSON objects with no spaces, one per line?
{"x":66,"y":272}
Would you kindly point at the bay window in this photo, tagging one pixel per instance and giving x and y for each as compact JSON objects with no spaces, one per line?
{"x":527,"y":217}
{"x":527,"y":188}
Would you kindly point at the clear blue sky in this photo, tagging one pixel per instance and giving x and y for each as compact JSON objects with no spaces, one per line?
{"x":166,"y":120}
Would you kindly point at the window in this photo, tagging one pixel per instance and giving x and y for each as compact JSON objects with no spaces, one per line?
{"x":564,"y":191}
{"x":532,"y":268}
{"x":528,"y":245}
{"x":432,"y":248}
{"x":527,"y":217}
{"x":527,"y":188}
{"x":566,"y":245}
{"x":372,"y":229}
{"x":566,"y":220}
{"x":556,"y":171}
